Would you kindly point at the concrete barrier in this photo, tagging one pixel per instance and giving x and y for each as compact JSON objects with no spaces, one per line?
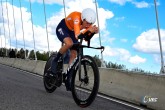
{"x":39,"y":69}
{"x":134,"y":87}
{"x":28,"y":65}
{"x":7,"y":61}
{"x":145,"y":89}
{"x":19,"y":63}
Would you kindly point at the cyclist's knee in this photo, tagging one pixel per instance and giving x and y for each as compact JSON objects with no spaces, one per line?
{"x":68,"y":42}
{"x":69,"y":45}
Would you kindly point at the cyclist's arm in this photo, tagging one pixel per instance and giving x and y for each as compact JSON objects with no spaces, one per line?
{"x":87,"y":35}
{"x":76,"y":27}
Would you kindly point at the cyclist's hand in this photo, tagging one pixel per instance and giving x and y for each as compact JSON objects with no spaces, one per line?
{"x":96,"y":29}
{"x":93,"y":29}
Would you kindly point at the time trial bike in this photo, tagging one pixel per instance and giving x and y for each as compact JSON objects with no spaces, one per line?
{"x":81,"y":77}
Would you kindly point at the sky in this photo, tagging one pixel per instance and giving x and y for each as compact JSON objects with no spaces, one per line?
{"x":128,"y":28}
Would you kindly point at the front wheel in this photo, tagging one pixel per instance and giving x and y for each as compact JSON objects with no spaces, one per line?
{"x":85,"y":85}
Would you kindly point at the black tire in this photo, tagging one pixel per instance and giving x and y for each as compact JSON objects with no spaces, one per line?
{"x":48,"y":87}
{"x":88,"y":94}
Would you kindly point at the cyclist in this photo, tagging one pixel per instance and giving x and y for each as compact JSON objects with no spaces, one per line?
{"x":72,"y":28}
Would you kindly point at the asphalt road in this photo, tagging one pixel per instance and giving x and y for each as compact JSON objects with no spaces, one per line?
{"x":20,"y":90}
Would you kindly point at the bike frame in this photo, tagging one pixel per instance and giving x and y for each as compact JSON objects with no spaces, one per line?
{"x":77,"y":61}
{"x":79,"y":64}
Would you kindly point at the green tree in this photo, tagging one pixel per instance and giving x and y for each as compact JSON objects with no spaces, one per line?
{"x":115,"y":65}
{"x":22,"y":53}
{"x":31,"y":55}
{"x":97,"y":60}
{"x":141,"y":70}
{"x":42,"y":56}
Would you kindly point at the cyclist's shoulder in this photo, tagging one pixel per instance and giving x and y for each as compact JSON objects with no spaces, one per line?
{"x":75,"y":14}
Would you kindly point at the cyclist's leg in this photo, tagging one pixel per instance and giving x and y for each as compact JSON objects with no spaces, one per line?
{"x":63,"y":35}
{"x":73,"y":51}
{"x":73,"y":54}
{"x":68,"y":43}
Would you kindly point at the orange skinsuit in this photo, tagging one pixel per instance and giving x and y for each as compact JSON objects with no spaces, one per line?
{"x":73,"y":22}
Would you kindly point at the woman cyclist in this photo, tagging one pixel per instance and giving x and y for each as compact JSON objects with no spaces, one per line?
{"x":70,"y":29}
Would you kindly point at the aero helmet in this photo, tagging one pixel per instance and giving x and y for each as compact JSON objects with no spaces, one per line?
{"x":89,"y":15}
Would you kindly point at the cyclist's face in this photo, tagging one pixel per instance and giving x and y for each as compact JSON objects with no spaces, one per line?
{"x":85,"y":24}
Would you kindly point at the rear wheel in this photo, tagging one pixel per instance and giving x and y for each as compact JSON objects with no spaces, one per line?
{"x":46,"y":79}
{"x":84,"y":90}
